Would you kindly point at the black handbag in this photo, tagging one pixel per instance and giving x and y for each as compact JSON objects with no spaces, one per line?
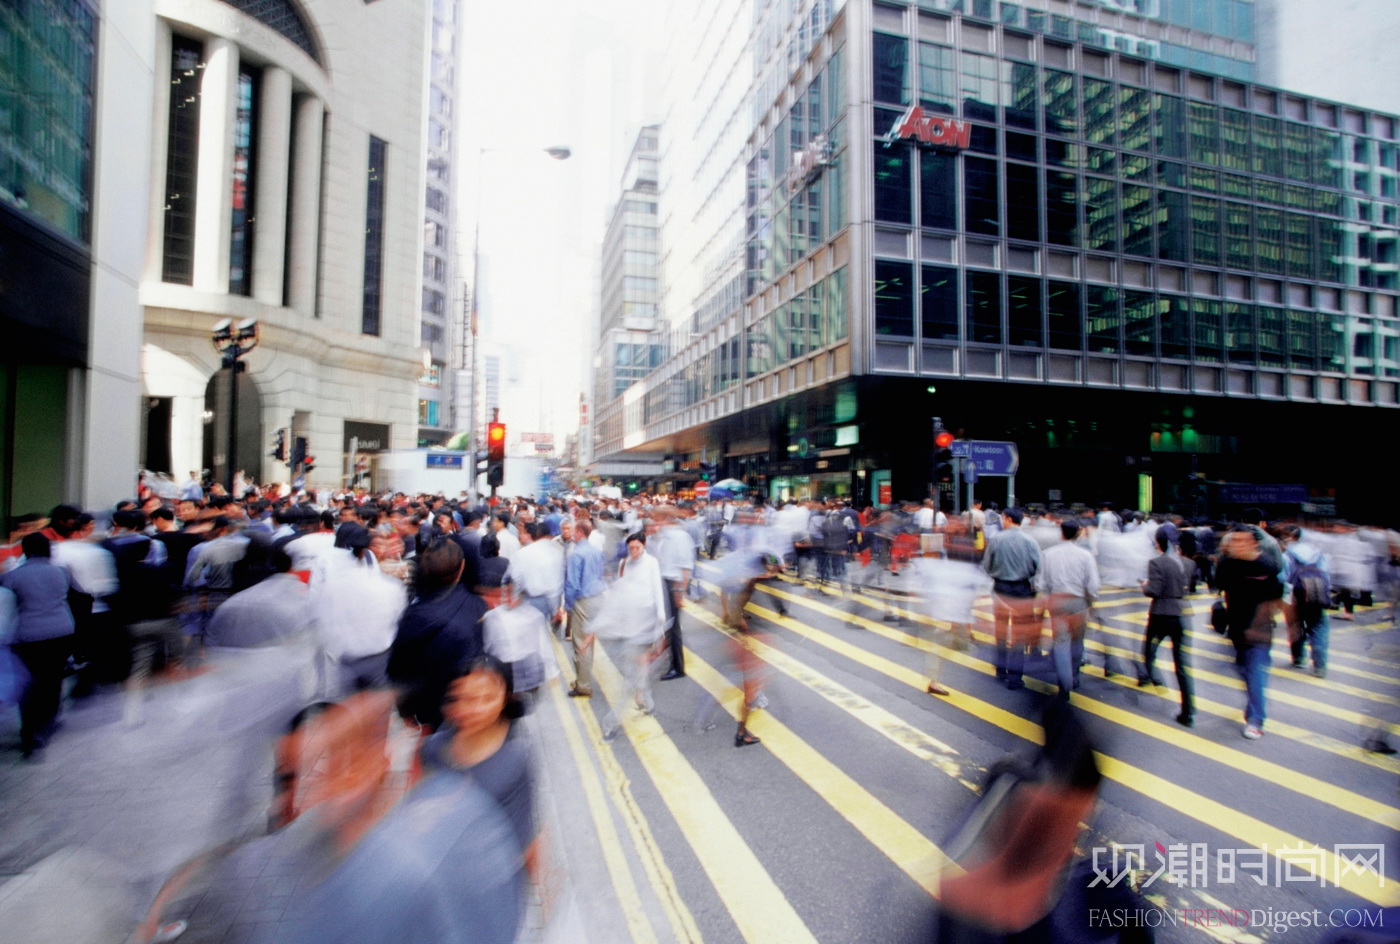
{"x":1219,"y":617}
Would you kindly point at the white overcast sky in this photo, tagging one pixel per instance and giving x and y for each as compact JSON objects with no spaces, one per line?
{"x":550,"y":72}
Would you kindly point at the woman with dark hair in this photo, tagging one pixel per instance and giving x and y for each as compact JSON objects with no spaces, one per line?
{"x":479,"y":740}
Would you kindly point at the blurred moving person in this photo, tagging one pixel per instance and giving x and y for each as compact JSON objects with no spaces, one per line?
{"x":1012,"y":560}
{"x":1168,"y":575}
{"x":1069,"y":581}
{"x":1310,"y":594}
{"x":1252,"y":588}
{"x":43,"y":638}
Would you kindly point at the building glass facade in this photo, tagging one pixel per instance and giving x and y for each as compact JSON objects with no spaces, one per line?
{"x":1010,"y":218}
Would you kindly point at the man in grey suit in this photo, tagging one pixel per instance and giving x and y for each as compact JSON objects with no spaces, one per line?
{"x":1168,"y":575}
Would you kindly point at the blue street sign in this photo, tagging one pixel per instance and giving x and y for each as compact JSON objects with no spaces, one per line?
{"x":987,"y":457}
{"x":438,"y":460}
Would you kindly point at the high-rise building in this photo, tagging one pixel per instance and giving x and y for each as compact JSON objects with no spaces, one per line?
{"x":444,"y":325}
{"x":1116,"y":253}
{"x":72,"y":215}
{"x":286,"y":186}
{"x":631,"y":340}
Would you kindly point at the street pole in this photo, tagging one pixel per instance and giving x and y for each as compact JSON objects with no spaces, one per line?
{"x":231,"y":457}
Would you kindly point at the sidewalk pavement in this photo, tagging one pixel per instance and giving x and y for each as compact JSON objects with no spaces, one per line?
{"x":88,"y":834}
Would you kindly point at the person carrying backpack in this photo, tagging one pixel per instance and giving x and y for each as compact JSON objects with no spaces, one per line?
{"x":1310,"y":583}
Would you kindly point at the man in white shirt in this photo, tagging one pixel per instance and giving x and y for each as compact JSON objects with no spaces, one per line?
{"x":675,"y":553}
{"x":1069,"y":582}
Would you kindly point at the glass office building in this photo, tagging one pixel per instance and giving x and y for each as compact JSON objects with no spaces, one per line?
{"x":1136,"y":269}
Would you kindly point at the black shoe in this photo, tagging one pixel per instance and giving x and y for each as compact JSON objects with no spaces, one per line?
{"x":1377,"y":746}
{"x":743,"y":738}
{"x":1015,"y":684}
{"x":673,"y":674}
{"x":1185,"y":720}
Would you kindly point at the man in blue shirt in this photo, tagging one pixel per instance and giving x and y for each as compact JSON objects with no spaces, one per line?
{"x":583,"y":588}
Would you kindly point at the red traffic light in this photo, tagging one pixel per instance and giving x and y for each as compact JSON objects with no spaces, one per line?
{"x":943,"y":440}
{"x":496,"y":442}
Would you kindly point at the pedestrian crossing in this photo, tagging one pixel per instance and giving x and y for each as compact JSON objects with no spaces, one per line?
{"x":844,"y":684}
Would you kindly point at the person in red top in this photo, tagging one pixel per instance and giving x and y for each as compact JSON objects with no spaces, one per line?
{"x":63,"y":521}
{"x":11,"y":554}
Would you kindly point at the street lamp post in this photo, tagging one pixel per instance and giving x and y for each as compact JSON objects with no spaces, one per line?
{"x":558,"y":153}
{"x":232,"y":342}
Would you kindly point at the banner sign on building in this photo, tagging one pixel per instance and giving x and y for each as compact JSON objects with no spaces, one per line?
{"x":936,"y":130}
{"x":373,"y":437}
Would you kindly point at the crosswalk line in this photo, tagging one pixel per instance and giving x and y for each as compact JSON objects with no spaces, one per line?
{"x":757,"y":905}
{"x":901,"y":843}
{"x":1205,"y":675}
{"x":917,"y":742}
{"x":1344,"y":749}
{"x":1187,"y":802}
{"x":1312,"y":787}
{"x":614,"y":860}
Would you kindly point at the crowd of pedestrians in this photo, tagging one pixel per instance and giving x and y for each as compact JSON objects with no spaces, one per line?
{"x":429,"y":622}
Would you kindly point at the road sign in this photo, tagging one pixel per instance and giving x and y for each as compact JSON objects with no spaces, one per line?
{"x":988,"y":457}
{"x":702,"y":489}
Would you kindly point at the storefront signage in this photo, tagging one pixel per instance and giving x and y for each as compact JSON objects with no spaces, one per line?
{"x":936,"y":130}
{"x":373,"y":437}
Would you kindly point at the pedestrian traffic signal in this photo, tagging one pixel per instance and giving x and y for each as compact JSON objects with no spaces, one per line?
{"x":279,"y":446}
{"x":943,"y":440}
{"x":942,"y":452}
{"x":298,"y":453}
{"x":496,"y":474}
{"x":308,"y":464}
{"x":496,"y":442}
{"x":707,"y":471}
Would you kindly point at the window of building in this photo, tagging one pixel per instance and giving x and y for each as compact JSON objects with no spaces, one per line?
{"x":1065,"y":320}
{"x":1100,"y":123}
{"x":984,"y":307}
{"x":435,"y":234}
{"x":1022,"y":202}
{"x":1208,"y":330}
{"x":1175,"y":331}
{"x":938,"y":303}
{"x":894,"y":298}
{"x":1240,"y":333}
{"x":1060,"y":104}
{"x":437,"y":200}
{"x":283,"y":17}
{"x":431,"y":333}
{"x":1139,"y":220}
{"x":1101,"y":214}
{"x":240,"y":277}
{"x":893,"y":182}
{"x":638,"y":285}
{"x":938,"y":189}
{"x":1023,"y":311}
{"x":182,"y":159}
{"x":1102,"y":319}
{"x":640,"y":206}
{"x":434,"y":267}
{"x":1140,"y":323}
{"x":432,"y":377}
{"x":890,"y":69}
{"x":47,"y":65}
{"x":1061,"y":208}
{"x":374,"y":236}
{"x":938,"y":82}
{"x":978,"y":80}
{"x":428,"y":412}
{"x":981,"y":202}
{"x":1205,"y":230}
{"x":434,"y":302}
{"x":1022,"y":103}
